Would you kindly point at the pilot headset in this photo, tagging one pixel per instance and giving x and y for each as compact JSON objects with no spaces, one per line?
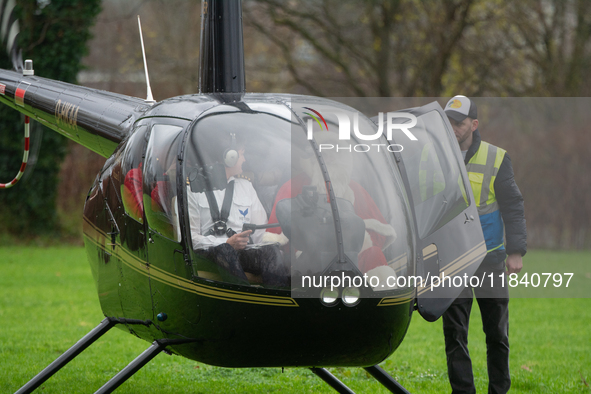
{"x":231,"y":154}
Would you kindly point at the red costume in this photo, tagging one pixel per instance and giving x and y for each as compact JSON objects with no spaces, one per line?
{"x":364,"y":207}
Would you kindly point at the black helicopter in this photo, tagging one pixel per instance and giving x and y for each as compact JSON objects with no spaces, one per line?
{"x":322,"y":194}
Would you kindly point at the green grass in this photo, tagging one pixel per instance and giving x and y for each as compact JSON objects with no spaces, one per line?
{"x":48,"y":301}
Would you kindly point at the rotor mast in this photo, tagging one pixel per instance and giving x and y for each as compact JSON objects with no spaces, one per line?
{"x":221,"y":60}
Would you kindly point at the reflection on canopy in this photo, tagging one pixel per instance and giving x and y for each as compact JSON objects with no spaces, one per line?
{"x":282,"y":177}
{"x":160,"y":180}
{"x":368,"y":219}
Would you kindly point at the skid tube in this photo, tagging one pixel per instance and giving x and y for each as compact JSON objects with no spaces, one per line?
{"x":132,"y":368}
{"x":376,"y":371}
{"x":329,"y":378}
{"x":74,"y":351}
{"x":386,"y":380}
{"x":157,"y":346}
{"x":68,"y":355}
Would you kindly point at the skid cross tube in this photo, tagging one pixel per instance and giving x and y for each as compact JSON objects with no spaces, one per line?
{"x":132,"y":368}
{"x":329,"y":378}
{"x":386,"y":380}
{"x":65,"y":358}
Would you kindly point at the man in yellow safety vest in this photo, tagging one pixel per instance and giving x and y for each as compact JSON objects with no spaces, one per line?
{"x":501,"y":212}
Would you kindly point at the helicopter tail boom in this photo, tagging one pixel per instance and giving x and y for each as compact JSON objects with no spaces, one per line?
{"x":96,"y":119}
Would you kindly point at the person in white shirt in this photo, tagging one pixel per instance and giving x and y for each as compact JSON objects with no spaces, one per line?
{"x":245,"y":208}
{"x":217,"y":221}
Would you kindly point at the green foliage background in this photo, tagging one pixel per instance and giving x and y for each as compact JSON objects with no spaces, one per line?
{"x":55,"y":38}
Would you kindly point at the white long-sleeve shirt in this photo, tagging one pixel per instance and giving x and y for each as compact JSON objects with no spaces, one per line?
{"x":246,"y":208}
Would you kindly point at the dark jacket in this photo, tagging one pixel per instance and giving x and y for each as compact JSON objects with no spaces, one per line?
{"x":510,"y":204}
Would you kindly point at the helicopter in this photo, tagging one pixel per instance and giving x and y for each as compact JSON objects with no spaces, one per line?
{"x":359,"y":217}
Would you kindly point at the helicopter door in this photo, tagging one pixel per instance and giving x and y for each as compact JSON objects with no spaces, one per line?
{"x":451,"y":245}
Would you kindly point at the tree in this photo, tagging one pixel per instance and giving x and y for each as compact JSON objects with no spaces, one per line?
{"x":370,"y":48}
{"x":54,"y":35}
{"x":428,"y":48}
{"x":556,"y":43}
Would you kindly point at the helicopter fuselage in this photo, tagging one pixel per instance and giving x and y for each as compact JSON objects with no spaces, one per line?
{"x":143,"y":275}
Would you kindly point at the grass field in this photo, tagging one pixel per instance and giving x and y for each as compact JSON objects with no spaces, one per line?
{"x":48,"y":302}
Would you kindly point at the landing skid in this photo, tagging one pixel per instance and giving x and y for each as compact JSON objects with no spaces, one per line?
{"x":332,"y":381}
{"x":132,"y":368}
{"x":386,"y":380}
{"x":157,"y":346}
{"x":68,"y":356}
{"x":377,"y":372}
{"x":88,"y":340}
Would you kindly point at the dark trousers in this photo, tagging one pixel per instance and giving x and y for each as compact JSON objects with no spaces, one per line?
{"x":494,"y":307}
{"x":264,"y":260}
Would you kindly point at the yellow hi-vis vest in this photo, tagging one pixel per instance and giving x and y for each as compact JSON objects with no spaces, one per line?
{"x":482,"y":172}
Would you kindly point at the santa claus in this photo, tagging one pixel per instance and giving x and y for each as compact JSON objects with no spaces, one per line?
{"x":378,"y":233}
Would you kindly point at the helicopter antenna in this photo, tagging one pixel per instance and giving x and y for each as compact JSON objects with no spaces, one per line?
{"x":149,"y":98}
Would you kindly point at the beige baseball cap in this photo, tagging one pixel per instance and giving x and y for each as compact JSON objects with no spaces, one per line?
{"x":460,"y":107}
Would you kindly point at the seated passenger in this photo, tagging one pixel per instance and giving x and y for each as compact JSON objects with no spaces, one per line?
{"x":378,"y":235}
{"x":242,"y":207}
{"x":217,"y":219}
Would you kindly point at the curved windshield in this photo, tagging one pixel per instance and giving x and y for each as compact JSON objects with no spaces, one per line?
{"x":362,"y":240}
{"x":234,"y":161}
{"x":259,"y":205}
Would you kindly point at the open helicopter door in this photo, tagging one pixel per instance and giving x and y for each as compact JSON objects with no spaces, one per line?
{"x":450,"y":242}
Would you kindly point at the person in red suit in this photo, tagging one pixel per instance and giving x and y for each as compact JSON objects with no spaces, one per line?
{"x":378,"y":233}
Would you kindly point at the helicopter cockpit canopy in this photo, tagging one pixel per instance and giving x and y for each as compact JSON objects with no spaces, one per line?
{"x":302,"y":194}
{"x":313,"y":206}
